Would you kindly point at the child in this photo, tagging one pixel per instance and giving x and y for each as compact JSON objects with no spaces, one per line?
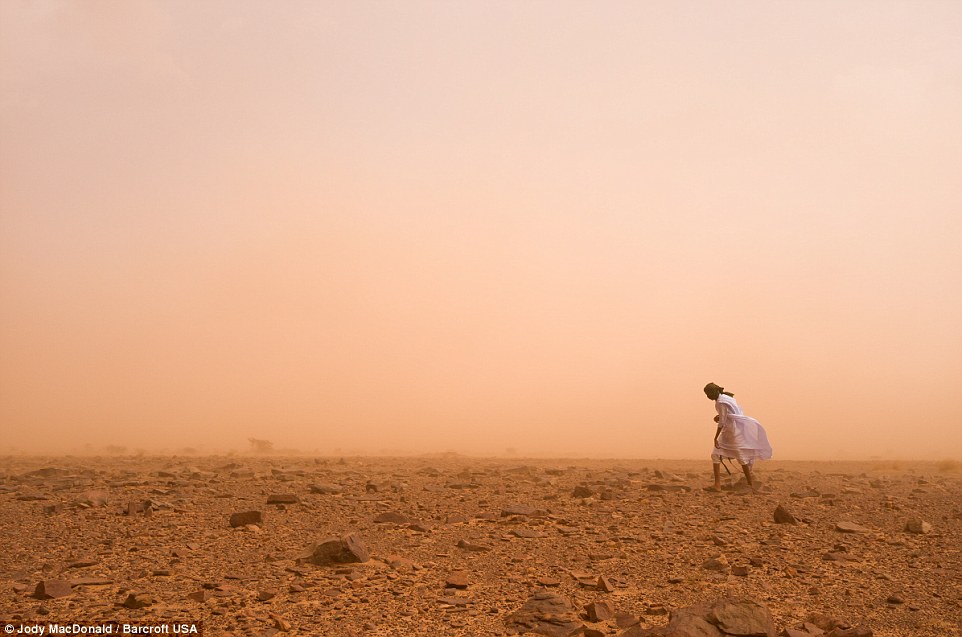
{"x":738,"y":436}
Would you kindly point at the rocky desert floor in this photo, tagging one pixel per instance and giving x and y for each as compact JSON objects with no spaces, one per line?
{"x":458,"y":546}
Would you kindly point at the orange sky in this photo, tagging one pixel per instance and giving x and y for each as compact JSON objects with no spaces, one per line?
{"x":474,"y":226}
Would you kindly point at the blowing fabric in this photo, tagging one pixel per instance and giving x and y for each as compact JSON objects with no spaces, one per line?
{"x":742,"y":438}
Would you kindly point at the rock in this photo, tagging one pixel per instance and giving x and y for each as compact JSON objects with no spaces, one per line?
{"x":82,"y":563}
{"x":823,"y":622}
{"x":30,"y":495}
{"x":717,"y":563}
{"x":399,"y":563}
{"x":741,"y":617}
{"x":134,"y":507}
{"x":741,"y":570}
{"x":582,"y":491}
{"x":544,"y":613}
{"x":266,"y":595}
{"x":850,"y":527}
{"x":280,"y":623}
{"x":91,"y":581}
{"x":918,"y":526}
{"x":520,"y":509}
{"x":858,"y":631}
{"x":200,"y":596}
{"x":527,"y":533}
{"x":392,"y":517}
{"x":95,"y":498}
{"x":51,"y":588}
{"x":476,"y":548}
{"x":605,"y":585}
{"x":138,"y":600}
{"x":47,"y":472}
{"x":326,"y":489}
{"x":283,"y":498}
{"x":244,"y":518}
{"x":455,"y":601}
{"x":599,"y":611}
{"x":626,"y":620}
{"x":654,"y":486}
{"x":782,"y":516}
{"x":420,"y":527}
{"x":457,"y":579}
{"x":344,"y":550}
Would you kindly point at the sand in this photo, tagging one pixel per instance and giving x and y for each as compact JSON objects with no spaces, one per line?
{"x":455,"y":545}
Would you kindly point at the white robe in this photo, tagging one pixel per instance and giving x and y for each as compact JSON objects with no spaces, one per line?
{"x":741,"y":437}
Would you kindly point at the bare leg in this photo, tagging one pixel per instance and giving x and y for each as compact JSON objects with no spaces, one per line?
{"x":747,"y":470}
{"x":716,"y":470}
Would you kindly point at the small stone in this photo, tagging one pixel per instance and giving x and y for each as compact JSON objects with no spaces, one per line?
{"x":283,"y":498}
{"x":895,"y":598}
{"x":741,"y":570}
{"x":858,"y":631}
{"x":91,"y":581}
{"x":420,"y":527}
{"x":604,"y":584}
{"x":520,"y":509}
{"x":266,"y":596}
{"x":244,"y":518}
{"x":51,"y":588}
{"x":718,"y":563}
{"x":918,"y":526}
{"x":138,"y":600}
{"x":280,"y":623}
{"x":457,"y":579}
{"x":782,"y":516}
{"x":200,"y":596}
{"x":344,"y":550}
{"x":850,"y":527}
{"x":82,"y":563}
{"x":95,"y":498}
{"x":625,"y":620}
{"x":741,"y":617}
{"x":582,"y":491}
{"x":325,"y":489}
{"x":545,"y":613}
{"x":392,"y":517}
{"x":476,"y":548}
{"x":599,"y":611}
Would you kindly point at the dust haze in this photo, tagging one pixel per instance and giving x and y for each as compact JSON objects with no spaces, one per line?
{"x":489,"y":229}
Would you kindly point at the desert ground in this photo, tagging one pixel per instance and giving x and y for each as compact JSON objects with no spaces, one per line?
{"x":460,"y":546}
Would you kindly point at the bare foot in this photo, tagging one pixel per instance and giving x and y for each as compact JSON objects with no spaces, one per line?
{"x":713,"y":488}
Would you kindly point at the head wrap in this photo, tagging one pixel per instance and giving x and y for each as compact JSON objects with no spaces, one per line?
{"x":713,"y":391}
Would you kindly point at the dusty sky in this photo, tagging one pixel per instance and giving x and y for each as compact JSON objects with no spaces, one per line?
{"x":475,"y":226}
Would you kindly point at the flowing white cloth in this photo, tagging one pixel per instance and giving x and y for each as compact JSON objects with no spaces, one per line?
{"x":741,"y":437}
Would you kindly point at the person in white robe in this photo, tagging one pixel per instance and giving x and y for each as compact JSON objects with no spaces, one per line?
{"x":738,"y":436}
